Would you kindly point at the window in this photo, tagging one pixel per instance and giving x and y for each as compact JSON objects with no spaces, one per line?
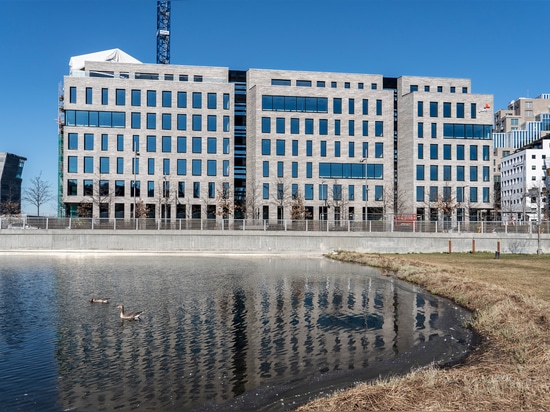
{"x":166,"y":144}
{"x":151,"y":166}
{"x":211,"y":123}
{"x":88,"y":187}
{"x":379,"y":129}
{"x":433,"y":194}
{"x":309,"y":170}
{"x":182,"y":121}
{"x":420,"y":193}
{"x":294,"y":169}
{"x":433,"y":151}
{"x":351,"y":127}
{"x":182,"y":100}
{"x":320,"y":83}
{"x":351,"y":106}
{"x":165,"y":166}
{"x":181,"y":190}
{"x":473,"y":173}
{"x":420,"y":109}
{"x":211,"y":167}
{"x":295,"y":148}
{"x":88,"y":141}
{"x":337,"y":127}
{"x":420,"y":151}
{"x":473,"y":110}
{"x":136,"y":97}
{"x":166,"y":121}
{"x":104,"y":142}
{"x":434,"y":130}
{"x":72,"y":187}
{"x":280,"y":125}
{"x":323,"y":148}
{"x":460,"y":110}
{"x":266,"y":191}
{"x":211,"y":101}
{"x":419,"y":172}
{"x":486,"y":194}
{"x":266,"y":147}
{"x":181,"y":167}
{"x":426,"y":88}
{"x":150,"y":188}
{"x":308,"y":192}
{"x":446,"y":109}
{"x":473,"y":152}
{"x":226,"y":146}
{"x":280,"y":169}
{"x":197,"y":122}
{"x":73,"y":164}
{"x":211,"y":145}
{"x":365,"y":106}
{"x":225,"y":166}
{"x":88,"y":164}
{"x":433,"y":109}
{"x":211,"y":190}
{"x":182,"y":144}
{"x":151,"y":98}
{"x":420,"y":130}
{"x":120,"y":97}
{"x":486,"y":152}
{"x":309,"y":126}
{"x":309,"y":148}
{"x":226,"y":101}
{"x":347,"y":85}
{"x":351,"y":149}
{"x":72,"y":141}
{"x":196,"y":167}
{"x":88,"y":95}
{"x":434,"y":172}
{"x":303,"y":83}
{"x":226,"y":124}
{"x":323,"y":127}
{"x":280,"y":147}
{"x":460,"y":152}
{"x":151,"y":121}
{"x":196,"y":190}
{"x":379,"y":107}
{"x":473,"y":194}
{"x":337,"y":149}
{"x":104,"y":96}
{"x":72,"y":95}
{"x":151,"y":143}
{"x":379,"y":150}
{"x":265,"y":167}
{"x":447,"y":152}
{"x":294,"y":126}
{"x":446,"y":173}
{"x":486,"y":173}
{"x":413,"y":88}
{"x":103,"y":165}
{"x":120,"y":142}
{"x":266,"y":125}
{"x":365,"y":128}
{"x":197,"y":100}
{"x":337,"y":105}
{"x":196,"y":145}
{"x":460,"y":173}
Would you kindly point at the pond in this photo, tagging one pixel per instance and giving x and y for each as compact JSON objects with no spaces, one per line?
{"x":242,"y":333}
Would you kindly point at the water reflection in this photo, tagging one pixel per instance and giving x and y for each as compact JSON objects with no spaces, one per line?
{"x":213,"y":328}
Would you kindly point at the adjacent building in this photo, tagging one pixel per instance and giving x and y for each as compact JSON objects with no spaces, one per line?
{"x":11,"y":177}
{"x":210,"y":142}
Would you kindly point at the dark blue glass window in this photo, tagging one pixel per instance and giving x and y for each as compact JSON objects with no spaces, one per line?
{"x":446,"y":109}
{"x":73,"y":164}
{"x":309,"y":148}
{"x":473,"y":173}
{"x":473,"y":110}
{"x":182,"y":122}
{"x":72,"y":141}
{"x":196,"y":146}
{"x":211,"y":145}
{"x":103,"y":165}
{"x":182,"y":100}
{"x":379,"y":107}
{"x":211,"y":123}
{"x":351,"y":149}
{"x":419,"y":172}
{"x":88,"y":141}
{"x":337,"y":150}
{"x":265,"y":191}
{"x":280,"y":125}
{"x":104,"y":96}
{"x":379,"y":129}
{"x":211,"y":101}
{"x":379,"y":150}
{"x":150,"y":188}
{"x":351,"y":106}
{"x":166,"y":98}
{"x":419,"y":193}
{"x":337,"y":127}
{"x":226,"y":101}
{"x":303,"y":83}
{"x":182,"y":167}
{"x":351,"y":127}
{"x":337,"y":105}
{"x":120,"y":142}
{"x":294,"y":169}
{"x":460,"y":152}
{"x":473,"y":152}
{"x":323,"y":148}
{"x":104,"y":142}
{"x":151,"y":121}
{"x":486,"y":194}
{"x":433,"y":109}
{"x":182,"y":144}
{"x":197,"y":122}
{"x":434,"y":130}
{"x":166,"y":121}
{"x":433,"y":172}
{"x":460,"y":173}
{"x":226,"y":123}
{"x":266,"y":146}
{"x":226,"y":146}
{"x":265,"y":169}
{"x":447,"y":152}
{"x":166,"y":144}
{"x":420,"y":129}
{"x":151,"y":98}
{"x":280,"y":147}
{"x":280,"y":82}
{"x":120,"y":97}
{"x":266,"y":125}
{"x":166,"y":166}
{"x":88,"y":164}
{"x":309,"y":170}
{"x":460,"y":110}
{"x":294,"y":126}
{"x":196,"y":165}
{"x":211,"y":167}
{"x":365,"y":106}
{"x":473,"y":194}
{"x":295,"y":148}
{"x":309,"y":126}
{"x":72,"y":95}
{"x":308,"y":192}
{"x":196,"y":190}
{"x":136,"y":97}
{"x":447,"y":173}
{"x":486,"y":152}
{"x":280,"y":169}
{"x":225,"y":167}
{"x":365,"y":149}
{"x":120,"y":165}
{"x":211,"y":190}
{"x":420,"y":151}
{"x":136,"y":120}
{"x":88,"y":95}
{"x":420,"y":112}
{"x":433,"y":151}
{"x":72,"y":187}
{"x":151,"y":143}
{"x":323,"y":126}
{"x":197,"y":100}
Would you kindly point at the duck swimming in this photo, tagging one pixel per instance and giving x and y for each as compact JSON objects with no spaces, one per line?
{"x":129,"y":315}
{"x":94,"y":300}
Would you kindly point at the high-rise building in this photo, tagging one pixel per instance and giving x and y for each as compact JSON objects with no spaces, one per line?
{"x":209,"y":142}
{"x":11,"y":177}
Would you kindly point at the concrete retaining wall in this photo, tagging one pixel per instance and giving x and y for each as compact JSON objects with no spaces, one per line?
{"x":265,"y":242}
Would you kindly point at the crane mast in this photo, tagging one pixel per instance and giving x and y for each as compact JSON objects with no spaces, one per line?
{"x":163,"y":32}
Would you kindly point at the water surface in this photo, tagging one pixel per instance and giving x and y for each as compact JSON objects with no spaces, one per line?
{"x":217,"y":332}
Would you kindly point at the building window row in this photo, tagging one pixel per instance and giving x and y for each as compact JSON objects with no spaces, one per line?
{"x":462,"y":194}
{"x":427,"y":88}
{"x":321,"y":84}
{"x":282,"y":125}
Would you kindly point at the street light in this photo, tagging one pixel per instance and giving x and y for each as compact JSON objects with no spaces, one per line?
{"x":136,"y":155}
{"x":364,"y":160}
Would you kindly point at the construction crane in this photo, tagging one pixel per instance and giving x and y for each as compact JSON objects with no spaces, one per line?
{"x":163,"y":32}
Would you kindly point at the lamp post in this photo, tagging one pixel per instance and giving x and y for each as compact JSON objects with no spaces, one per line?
{"x":136,"y":155}
{"x":364,"y":160}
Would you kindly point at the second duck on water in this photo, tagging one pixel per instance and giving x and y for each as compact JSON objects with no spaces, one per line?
{"x":129,"y":315}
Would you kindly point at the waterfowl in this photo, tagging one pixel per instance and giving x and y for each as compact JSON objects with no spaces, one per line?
{"x":129,"y":315}
{"x":94,"y":300}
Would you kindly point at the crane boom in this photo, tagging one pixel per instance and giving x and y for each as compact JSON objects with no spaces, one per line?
{"x":163,"y":32}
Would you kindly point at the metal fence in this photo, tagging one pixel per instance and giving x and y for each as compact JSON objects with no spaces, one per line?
{"x":52,"y":223}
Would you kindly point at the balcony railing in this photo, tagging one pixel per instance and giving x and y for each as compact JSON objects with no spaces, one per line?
{"x":76,"y":223}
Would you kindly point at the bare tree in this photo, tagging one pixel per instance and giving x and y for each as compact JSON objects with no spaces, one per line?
{"x":338,"y":200}
{"x":38,"y":193}
{"x":224,"y":199}
{"x":283,"y":196}
{"x":10,"y":208}
{"x":298,"y":209}
{"x":252,"y":201}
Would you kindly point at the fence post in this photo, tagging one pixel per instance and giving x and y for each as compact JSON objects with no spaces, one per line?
{"x":306,"y":226}
{"x":285,"y":224}
{"x":70,"y":221}
{"x":92,"y":223}
{"x":450,"y":246}
{"x":114,"y":223}
{"x":473,"y":246}
{"x":47,"y":223}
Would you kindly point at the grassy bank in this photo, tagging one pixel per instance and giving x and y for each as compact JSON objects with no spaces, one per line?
{"x":508,"y":371}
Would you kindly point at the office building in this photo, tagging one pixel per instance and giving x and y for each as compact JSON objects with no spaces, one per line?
{"x":209,"y":142}
{"x":11,"y":177}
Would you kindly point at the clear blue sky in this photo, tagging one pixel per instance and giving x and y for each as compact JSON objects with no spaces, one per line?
{"x":500,"y":44}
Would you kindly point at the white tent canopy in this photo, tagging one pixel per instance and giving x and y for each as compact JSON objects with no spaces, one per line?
{"x":113,"y":55}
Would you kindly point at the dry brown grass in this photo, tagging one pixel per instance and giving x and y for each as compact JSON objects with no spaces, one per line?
{"x":510,"y":368}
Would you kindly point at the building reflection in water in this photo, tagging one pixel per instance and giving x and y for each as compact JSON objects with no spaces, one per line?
{"x":216,"y":328}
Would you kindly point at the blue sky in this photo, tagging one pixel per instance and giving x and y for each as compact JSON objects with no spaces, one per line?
{"x":500,"y":44}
